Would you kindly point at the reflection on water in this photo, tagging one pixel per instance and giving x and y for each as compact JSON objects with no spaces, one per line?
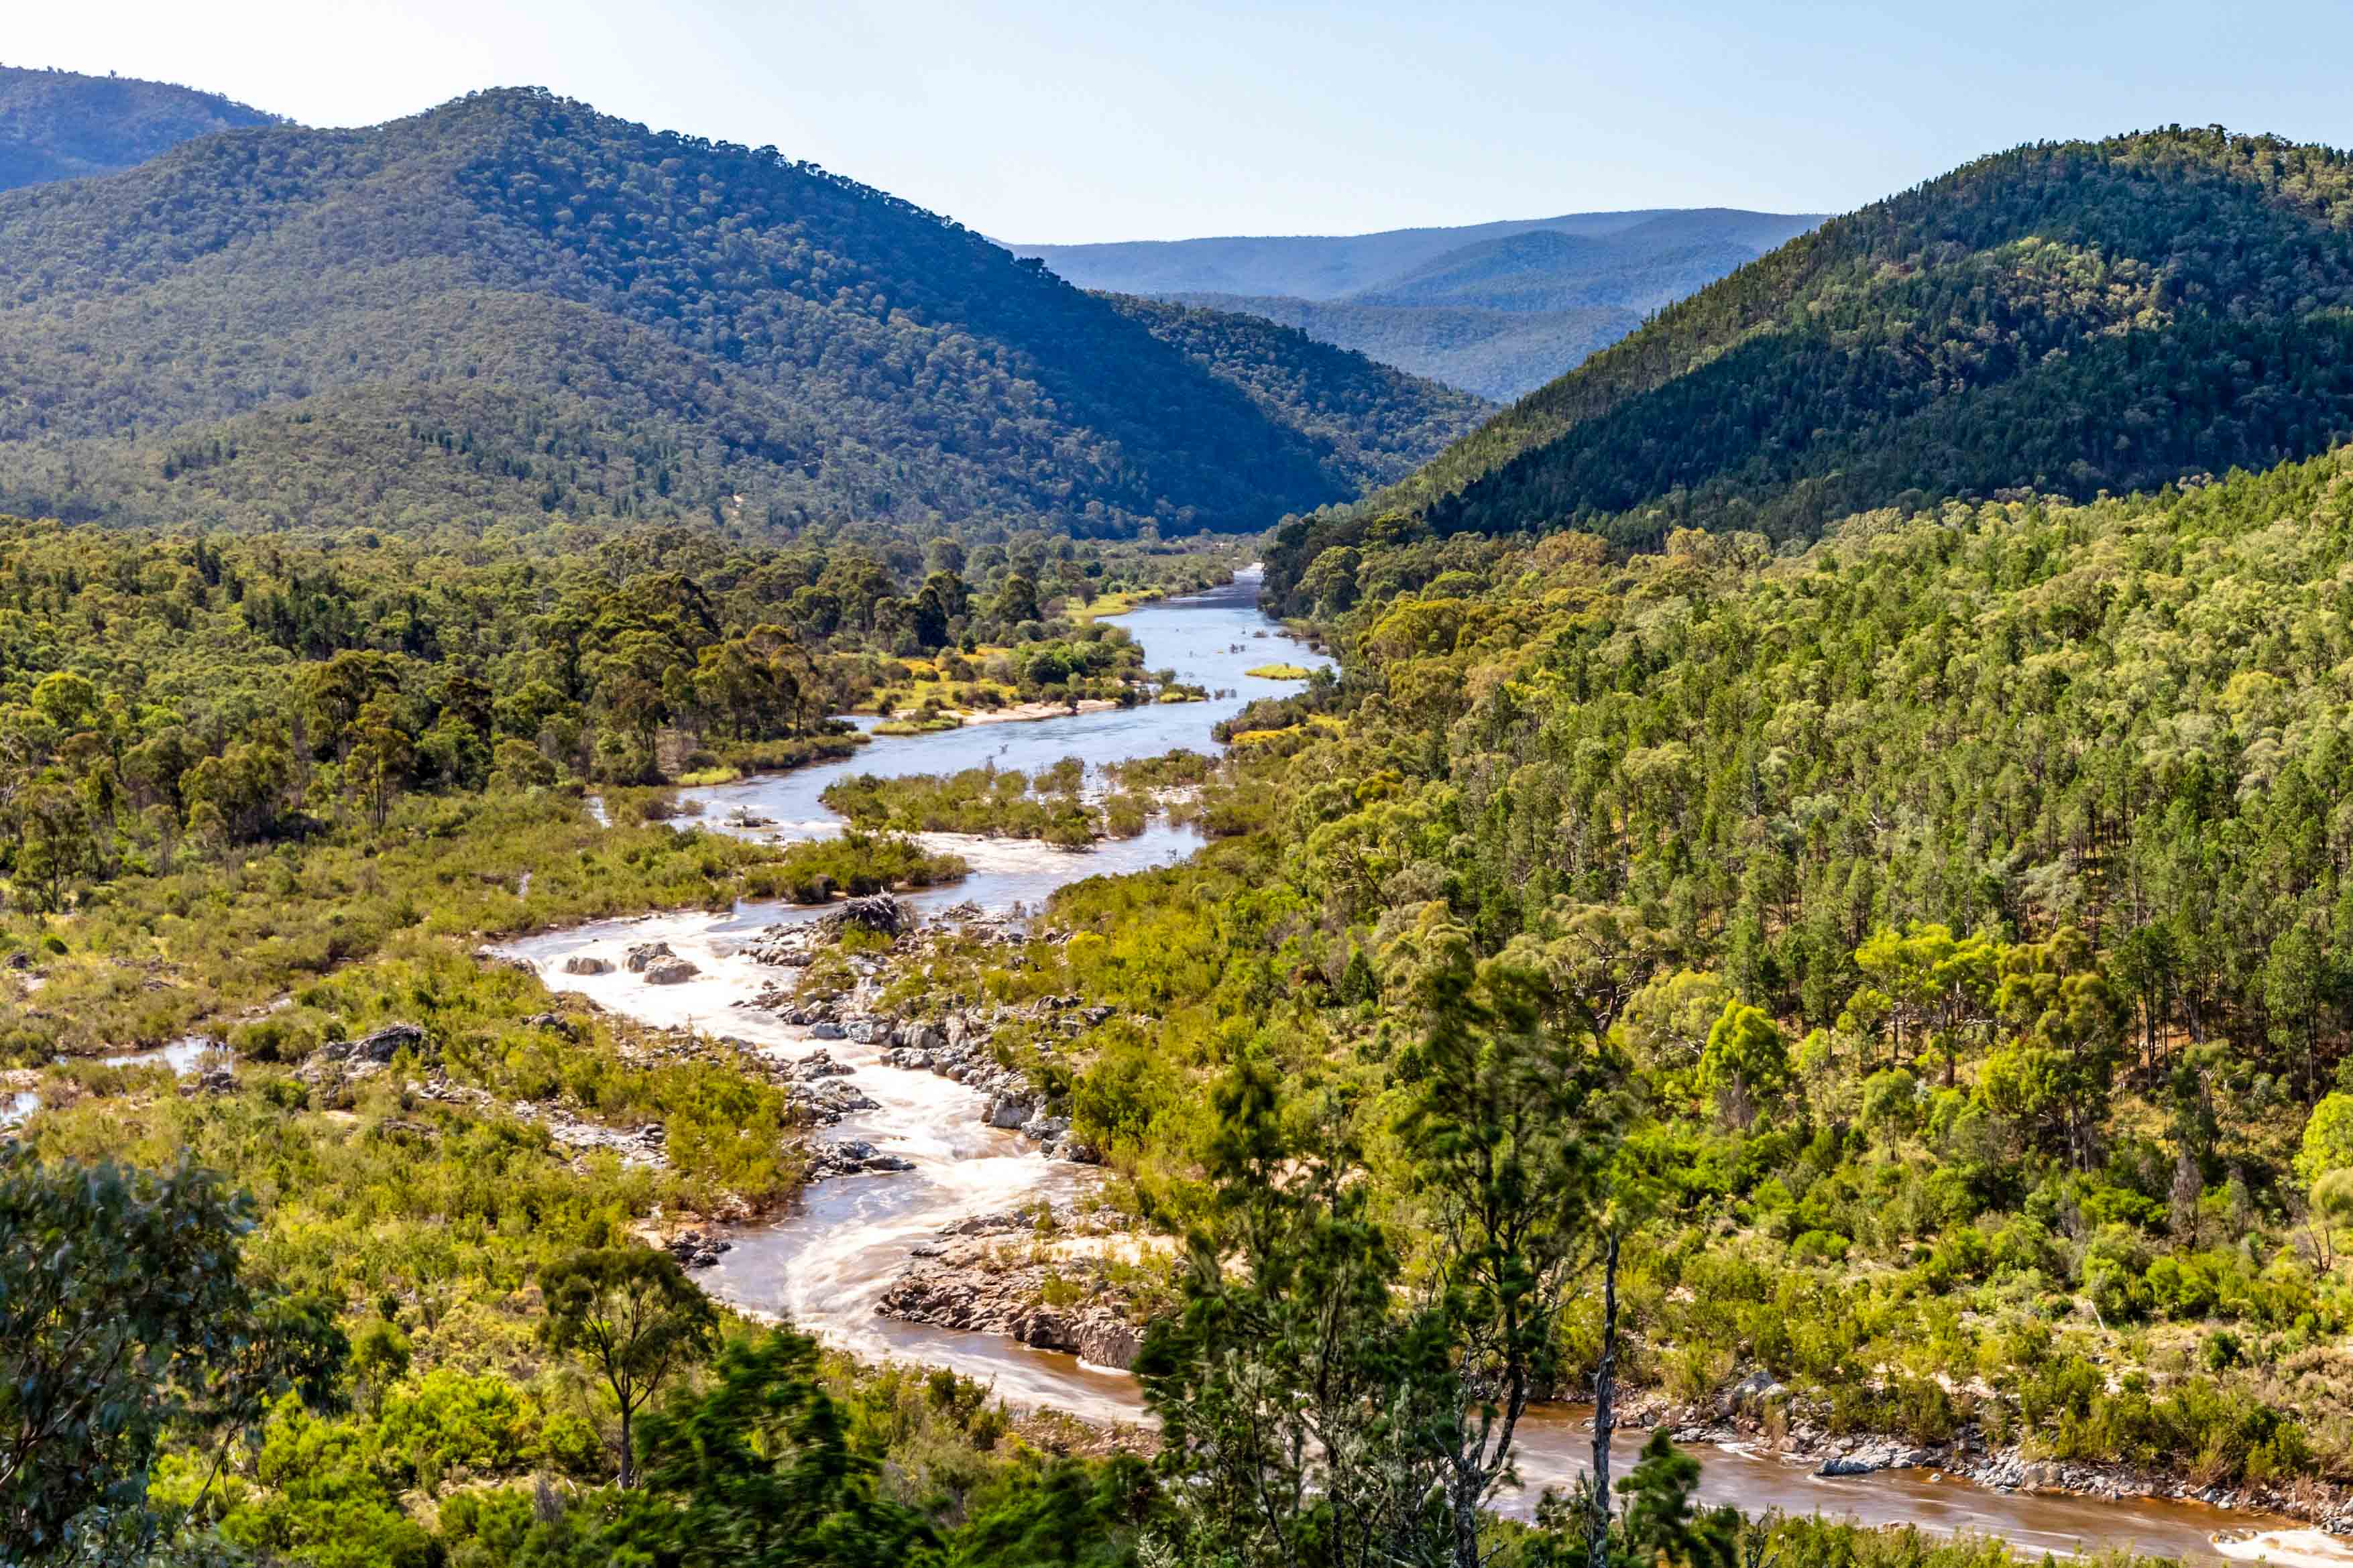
{"x":824,"y":1265}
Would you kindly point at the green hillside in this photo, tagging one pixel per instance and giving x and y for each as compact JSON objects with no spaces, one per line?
{"x":511,"y":307}
{"x":2064,"y":317}
{"x":1377,"y":423}
{"x":58,"y":125}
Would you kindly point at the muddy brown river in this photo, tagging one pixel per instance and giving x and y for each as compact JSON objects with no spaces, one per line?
{"x":826,"y":1265}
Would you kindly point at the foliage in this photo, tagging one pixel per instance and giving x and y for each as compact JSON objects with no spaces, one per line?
{"x":757,"y":1470}
{"x":128,"y":1316}
{"x":59,"y":125}
{"x":1294,"y":1403}
{"x":2066,"y":318}
{"x":631,"y":1315}
{"x":520,"y":309}
{"x":1378,"y":424}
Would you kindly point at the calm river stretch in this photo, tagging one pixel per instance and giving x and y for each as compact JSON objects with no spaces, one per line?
{"x":825,"y":1266}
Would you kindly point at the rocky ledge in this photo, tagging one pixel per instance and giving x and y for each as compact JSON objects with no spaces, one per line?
{"x":996,"y":1274}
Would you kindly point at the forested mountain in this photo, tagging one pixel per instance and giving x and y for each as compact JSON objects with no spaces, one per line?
{"x":511,"y":307}
{"x":2066,"y":318}
{"x":1379,"y":423}
{"x":58,"y":125}
{"x":1496,"y":307}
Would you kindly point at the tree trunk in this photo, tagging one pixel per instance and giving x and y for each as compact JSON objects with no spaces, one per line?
{"x":1605,"y":1416}
{"x":1468,"y":1489}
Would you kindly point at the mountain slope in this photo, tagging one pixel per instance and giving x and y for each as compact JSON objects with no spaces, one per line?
{"x":2065,"y":318}
{"x":1496,"y":309}
{"x":57,"y":125}
{"x":1377,"y":422}
{"x":511,"y":306}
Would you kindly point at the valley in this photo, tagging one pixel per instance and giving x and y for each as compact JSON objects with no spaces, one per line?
{"x":698,"y":871}
{"x":828,"y":1264}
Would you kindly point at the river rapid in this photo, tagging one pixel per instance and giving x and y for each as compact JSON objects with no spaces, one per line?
{"x":824,"y":1265}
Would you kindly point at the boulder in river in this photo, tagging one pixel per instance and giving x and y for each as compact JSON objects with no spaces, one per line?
{"x":1007,"y":1111}
{"x":644,"y":956}
{"x":819,"y":1064}
{"x":1870,"y":1458}
{"x":669,"y":972}
{"x":582,"y":963}
{"x":879,"y":912}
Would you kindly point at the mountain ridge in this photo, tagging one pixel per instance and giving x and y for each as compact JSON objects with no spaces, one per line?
{"x":1523,"y":300}
{"x":712,"y":330}
{"x":63,"y":125}
{"x":2065,"y":318}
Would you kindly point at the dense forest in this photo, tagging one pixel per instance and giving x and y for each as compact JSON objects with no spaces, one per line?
{"x":192,"y":693}
{"x":1379,"y":425}
{"x":1958,"y":907}
{"x":512,"y":308}
{"x":58,"y":125}
{"x":2064,"y":319}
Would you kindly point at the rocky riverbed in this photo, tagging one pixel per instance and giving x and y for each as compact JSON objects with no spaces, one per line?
{"x":1049,"y":1281}
{"x":954,"y":1044}
{"x":1759,"y":1415}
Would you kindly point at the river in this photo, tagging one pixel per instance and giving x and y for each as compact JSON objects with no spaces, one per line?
{"x":826,"y":1265}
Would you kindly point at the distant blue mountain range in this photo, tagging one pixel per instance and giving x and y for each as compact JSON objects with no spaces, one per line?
{"x":1497,"y":308}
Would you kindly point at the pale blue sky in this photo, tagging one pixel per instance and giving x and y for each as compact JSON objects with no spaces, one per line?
{"x":1054,"y":122}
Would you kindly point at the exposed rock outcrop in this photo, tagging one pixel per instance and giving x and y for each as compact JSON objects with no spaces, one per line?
{"x":986,"y":1275}
{"x":347,"y":1060}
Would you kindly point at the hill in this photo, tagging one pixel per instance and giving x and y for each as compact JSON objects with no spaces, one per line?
{"x":57,"y":125}
{"x":511,"y":307}
{"x":2066,"y":318}
{"x":1496,"y":309}
{"x":1375,"y":421}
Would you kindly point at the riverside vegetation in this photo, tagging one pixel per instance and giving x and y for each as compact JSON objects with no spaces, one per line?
{"x":1886,"y":941}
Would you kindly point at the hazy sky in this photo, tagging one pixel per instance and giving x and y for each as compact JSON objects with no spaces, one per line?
{"x":1056,"y":122}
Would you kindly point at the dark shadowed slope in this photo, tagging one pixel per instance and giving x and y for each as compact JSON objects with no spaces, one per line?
{"x":2064,"y":317}
{"x":1379,"y":423}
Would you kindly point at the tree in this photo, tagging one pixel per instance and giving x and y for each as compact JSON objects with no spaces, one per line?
{"x":757,"y":1471}
{"x":1746,"y":1063}
{"x":1891,"y":1102}
{"x":631,"y":1314}
{"x":2327,"y":1141}
{"x":126,"y":1313}
{"x":1294,"y":1401}
{"x":379,"y":757}
{"x":2055,"y":1074}
{"x":1661,"y":1527}
{"x":1066,"y":1515}
{"x":1505,"y":1132}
